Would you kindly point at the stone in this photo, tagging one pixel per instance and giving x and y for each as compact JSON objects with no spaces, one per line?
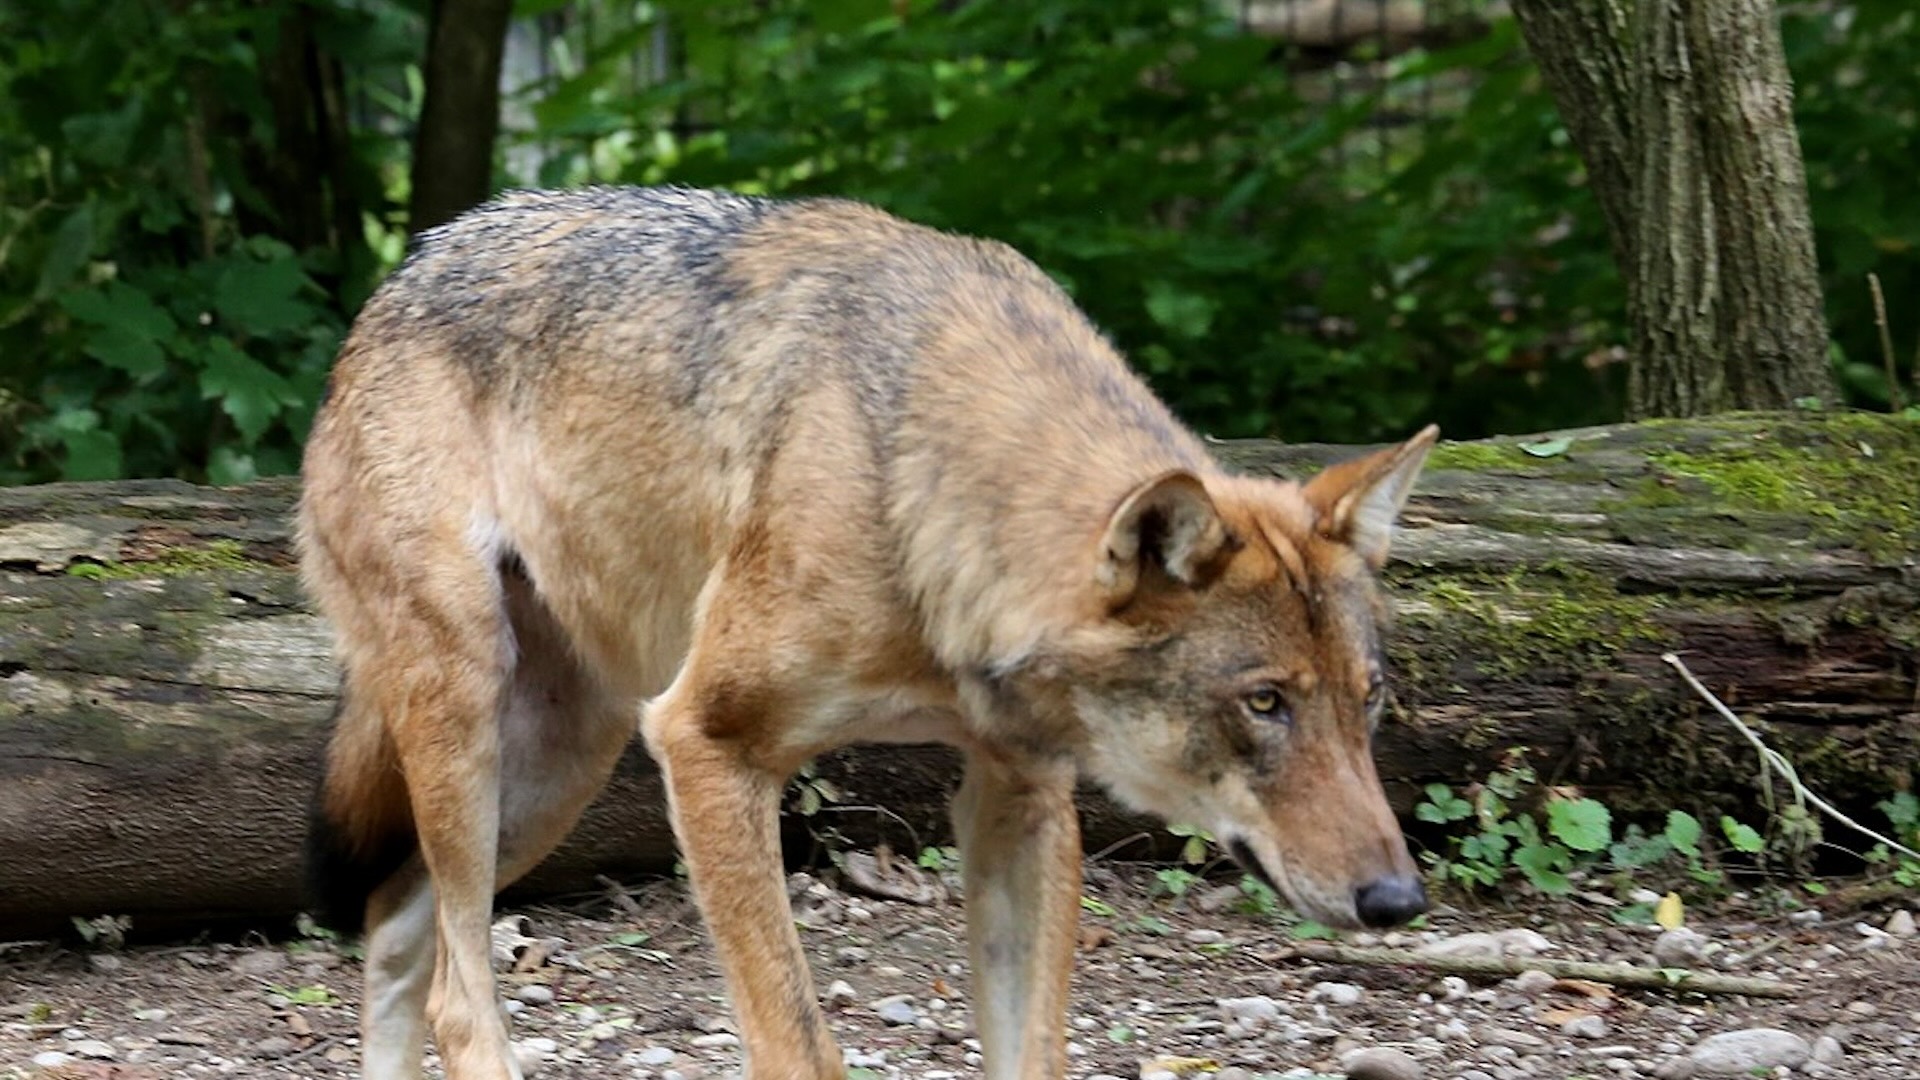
{"x":1533,"y":983}
{"x":714,"y":1040}
{"x":258,"y":962}
{"x":534,"y":994}
{"x":274,"y":1046}
{"x":1739,"y":1053}
{"x":840,"y":994}
{"x":1679,"y":948}
{"x":1515,"y":942}
{"x":1586,"y":1027}
{"x":1900,"y":924}
{"x":1336,"y":993}
{"x":94,"y":1048}
{"x":1382,"y":1063}
{"x":1828,"y":1051}
{"x":653,"y":1055}
{"x":1251,"y":1013}
{"x":897,"y":1010}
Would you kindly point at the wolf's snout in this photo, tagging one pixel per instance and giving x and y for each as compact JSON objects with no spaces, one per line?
{"x":1390,"y":901}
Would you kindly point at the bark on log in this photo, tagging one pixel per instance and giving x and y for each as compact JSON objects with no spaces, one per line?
{"x":164,"y":690}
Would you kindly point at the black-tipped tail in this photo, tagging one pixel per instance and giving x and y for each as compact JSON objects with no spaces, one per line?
{"x":341,"y":873}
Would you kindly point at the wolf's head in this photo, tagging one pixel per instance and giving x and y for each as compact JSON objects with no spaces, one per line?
{"x":1231,"y":676}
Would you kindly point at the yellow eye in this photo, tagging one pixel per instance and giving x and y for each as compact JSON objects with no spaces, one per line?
{"x":1266,"y":704}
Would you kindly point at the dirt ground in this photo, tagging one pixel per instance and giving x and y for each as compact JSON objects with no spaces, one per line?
{"x":623,"y":984}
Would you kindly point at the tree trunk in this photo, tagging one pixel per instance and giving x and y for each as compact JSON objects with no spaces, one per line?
{"x":460,"y":116}
{"x":164,"y":691}
{"x":1683,"y":115}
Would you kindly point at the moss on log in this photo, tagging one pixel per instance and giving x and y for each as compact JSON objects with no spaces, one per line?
{"x":164,"y":690}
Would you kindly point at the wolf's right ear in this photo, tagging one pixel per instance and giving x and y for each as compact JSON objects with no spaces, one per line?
{"x":1167,"y":525}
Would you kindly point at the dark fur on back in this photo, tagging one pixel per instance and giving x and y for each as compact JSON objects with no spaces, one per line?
{"x":341,"y":875}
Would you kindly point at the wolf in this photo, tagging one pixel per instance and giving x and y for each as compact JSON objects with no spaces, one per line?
{"x":762,"y":478}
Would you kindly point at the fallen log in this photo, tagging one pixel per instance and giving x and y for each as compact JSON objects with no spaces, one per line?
{"x":164,"y":689}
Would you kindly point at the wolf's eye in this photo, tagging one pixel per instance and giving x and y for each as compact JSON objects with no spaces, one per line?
{"x":1265,"y":703}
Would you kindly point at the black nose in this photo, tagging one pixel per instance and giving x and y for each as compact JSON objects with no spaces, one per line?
{"x":1389,"y":901}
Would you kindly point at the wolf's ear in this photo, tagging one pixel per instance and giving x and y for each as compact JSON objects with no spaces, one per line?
{"x":1167,"y":524}
{"x":1358,"y":500}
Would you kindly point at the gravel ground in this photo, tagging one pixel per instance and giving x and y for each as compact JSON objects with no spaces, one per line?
{"x":624,"y":985}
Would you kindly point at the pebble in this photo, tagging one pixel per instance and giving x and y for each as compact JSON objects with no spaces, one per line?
{"x":94,"y":1048}
{"x":897,"y":1010}
{"x":653,"y":1055}
{"x":1515,"y":942}
{"x":1586,"y":1027}
{"x":1739,"y":1053}
{"x":1828,"y":1051}
{"x":1533,"y":983}
{"x":1204,"y":937}
{"x":1900,"y":924}
{"x":150,"y":1015}
{"x":1381,"y":1063}
{"x":1336,"y":993}
{"x":840,"y":994}
{"x":535,"y":994}
{"x":51,"y":1059}
{"x":1249,"y":1012}
{"x":1679,"y":948}
{"x":714,"y":1040}
{"x":1519,"y":1040}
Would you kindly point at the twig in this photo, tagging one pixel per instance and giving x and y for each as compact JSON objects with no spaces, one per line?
{"x":621,"y":898}
{"x":1886,"y":342}
{"x":324,"y":1043}
{"x":1776,"y":761}
{"x":1701,"y":982}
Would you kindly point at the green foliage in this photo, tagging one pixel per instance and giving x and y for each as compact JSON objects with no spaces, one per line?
{"x":167,"y":305}
{"x":1257,"y":254}
{"x":1857,"y":107}
{"x":1903,"y":815}
{"x":1510,"y":825}
{"x":194,"y":199}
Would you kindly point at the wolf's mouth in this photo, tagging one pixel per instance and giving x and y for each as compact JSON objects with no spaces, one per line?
{"x":1243,"y":854}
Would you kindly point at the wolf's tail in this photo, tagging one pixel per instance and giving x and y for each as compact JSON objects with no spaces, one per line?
{"x":360,"y":825}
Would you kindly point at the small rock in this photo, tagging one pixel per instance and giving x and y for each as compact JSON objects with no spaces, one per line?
{"x":1679,"y":948}
{"x":533,"y":1053}
{"x":1336,"y":993}
{"x":1586,"y":1027}
{"x":1518,"y":1040}
{"x":1828,"y":1051}
{"x":1160,"y":1074}
{"x":535,"y":994}
{"x":150,"y":1015}
{"x":654,"y":1055}
{"x":714,"y":1040}
{"x":1533,"y":983}
{"x":257,"y":962}
{"x":1900,"y":924}
{"x":897,"y":1010}
{"x":1675,"y":1069}
{"x":1808,"y":917}
{"x":1204,"y":937}
{"x":51,"y":1059}
{"x":840,"y":994}
{"x":274,"y":1046}
{"x":105,"y":963}
{"x":1381,"y":1063}
{"x":1739,"y":1053}
{"x":1251,"y":1013}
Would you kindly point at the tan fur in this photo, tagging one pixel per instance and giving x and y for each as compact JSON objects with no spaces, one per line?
{"x":769,"y":478}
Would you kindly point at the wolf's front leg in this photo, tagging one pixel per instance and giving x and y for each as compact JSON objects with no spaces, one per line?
{"x":1020,"y":848}
{"x":726,"y":816}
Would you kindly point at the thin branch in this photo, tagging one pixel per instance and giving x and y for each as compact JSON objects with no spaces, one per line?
{"x":1886,"y":342}
{"x":1680,"y":979}
{"x":1774,"y":760}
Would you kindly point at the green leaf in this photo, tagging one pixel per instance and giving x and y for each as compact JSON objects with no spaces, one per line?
{"x":1543,"y":864}
{"x":1683,"y":831}
{"x":1581,"y":824}
{"x":72,"y":244}
{"x":1187,"y":314}
{"x":262,"y":297}
{"x":1096,"y":907}
{"x":249,"y":392}
{"x":128,"y":327}
{"x":1547,"y":448}
{"x":1742,"y":837}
